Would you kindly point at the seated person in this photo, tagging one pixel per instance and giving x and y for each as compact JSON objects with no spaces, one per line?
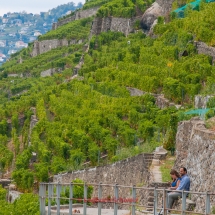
{"x":175,"y":179}
{"x":184,"y":185}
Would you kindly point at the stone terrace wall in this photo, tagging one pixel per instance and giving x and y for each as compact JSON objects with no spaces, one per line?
{"x":195,"y":149}
{"x":80,"y":14}
{"x":56,"y":25}
{"x":160,"y":100}
{"x":201,"y":101}
{"x":124,"y":25}
{"x":47,"y":45}
{"x":132,"y":171}
{"x":50,"y":72}
{"x":203,"y":48}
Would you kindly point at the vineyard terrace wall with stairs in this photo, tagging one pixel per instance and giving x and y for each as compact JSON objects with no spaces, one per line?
{"x":131,"y":171}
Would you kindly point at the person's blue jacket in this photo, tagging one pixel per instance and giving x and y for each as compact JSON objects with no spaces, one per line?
{"x":185,"y":183}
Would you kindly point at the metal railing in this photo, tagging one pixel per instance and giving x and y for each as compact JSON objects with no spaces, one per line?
{"x":50,"y":193}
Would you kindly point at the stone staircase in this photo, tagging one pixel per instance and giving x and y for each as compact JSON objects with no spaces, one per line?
{"x":156,"y":177}
{"x":148,"y":158}
{"x":150,"y":199}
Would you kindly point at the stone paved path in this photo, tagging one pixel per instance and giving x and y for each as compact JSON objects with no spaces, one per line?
{"x":156,"y":173}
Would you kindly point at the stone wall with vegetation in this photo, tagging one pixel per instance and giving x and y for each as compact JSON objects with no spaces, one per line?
{"x":41,"y":47}
{"x":201,"y":101}
{"x":203,"y":48}
{"x":195,"y":149}
{"x":160,"y":100}
{"x":132,"y":171}
{"x":80,"y":14}
{"x":47,"y":45}
{"x":124,"y":25}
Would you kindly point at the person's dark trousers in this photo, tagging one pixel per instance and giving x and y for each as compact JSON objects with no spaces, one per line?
{"x":172,"y":197}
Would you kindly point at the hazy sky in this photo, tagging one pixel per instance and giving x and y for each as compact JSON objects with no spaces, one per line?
{"x":31,"y":6}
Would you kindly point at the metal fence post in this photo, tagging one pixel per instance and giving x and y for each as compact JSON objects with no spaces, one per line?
{"x":133,"y":199}
{"x":58,"y":198}
{"x":116,"y":197}
{"x":155,"y":201}
{"x":42,"y":194}
{"x":207,"y":204}
{"x":70,"y":198}
{"x":40,"y":197}
{"x":49,"y":198}
{"x":99,"y":199}
{"x":183,"y":202}
{"x":85,"y":199}
{"x":165,"y":201}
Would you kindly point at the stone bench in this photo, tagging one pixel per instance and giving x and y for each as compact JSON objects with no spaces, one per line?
{"x":190,"y":205}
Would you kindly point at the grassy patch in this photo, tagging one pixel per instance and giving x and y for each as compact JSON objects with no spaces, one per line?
{"x":166,"y":167}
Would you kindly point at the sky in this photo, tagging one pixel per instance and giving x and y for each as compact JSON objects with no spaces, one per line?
{"x":31,"y":6}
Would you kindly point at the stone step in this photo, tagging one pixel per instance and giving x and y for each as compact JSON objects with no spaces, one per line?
{"x":151,"y":195}
{"x":150,"y":204}
{"x":149,"y":209}
{"x":150,"y":199}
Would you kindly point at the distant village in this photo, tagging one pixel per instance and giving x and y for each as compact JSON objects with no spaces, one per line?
{"x":17,"y":30}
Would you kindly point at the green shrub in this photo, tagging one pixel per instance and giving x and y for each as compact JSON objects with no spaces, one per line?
{"x":210,"y":114}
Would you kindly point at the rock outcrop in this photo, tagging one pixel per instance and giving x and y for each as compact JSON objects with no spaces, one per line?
{"x":203,"y":48}
{"x":158,"y":8}
{"x":195,"y":149}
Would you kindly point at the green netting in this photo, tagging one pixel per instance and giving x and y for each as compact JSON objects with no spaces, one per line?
{"x":193,"y":5}
{"x":198,"y":111}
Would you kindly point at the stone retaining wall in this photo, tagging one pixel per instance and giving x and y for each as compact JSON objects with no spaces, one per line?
{"x":132,"y":171}
{"x":124,"y":25}
{"x":203,"y":48}
{"x":79,"y":14}
{"x":47,"y":45}
{"x":201,"y":101}
{"x":195,"y":149}
{"x":50,"y":72}
{"x":160,"y":100}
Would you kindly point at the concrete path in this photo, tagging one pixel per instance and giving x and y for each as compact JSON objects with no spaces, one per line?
{"x":93,"y":211}
{"x":155,"y":171}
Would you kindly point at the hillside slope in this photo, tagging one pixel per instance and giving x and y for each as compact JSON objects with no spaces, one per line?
{"x":81,"y":118}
